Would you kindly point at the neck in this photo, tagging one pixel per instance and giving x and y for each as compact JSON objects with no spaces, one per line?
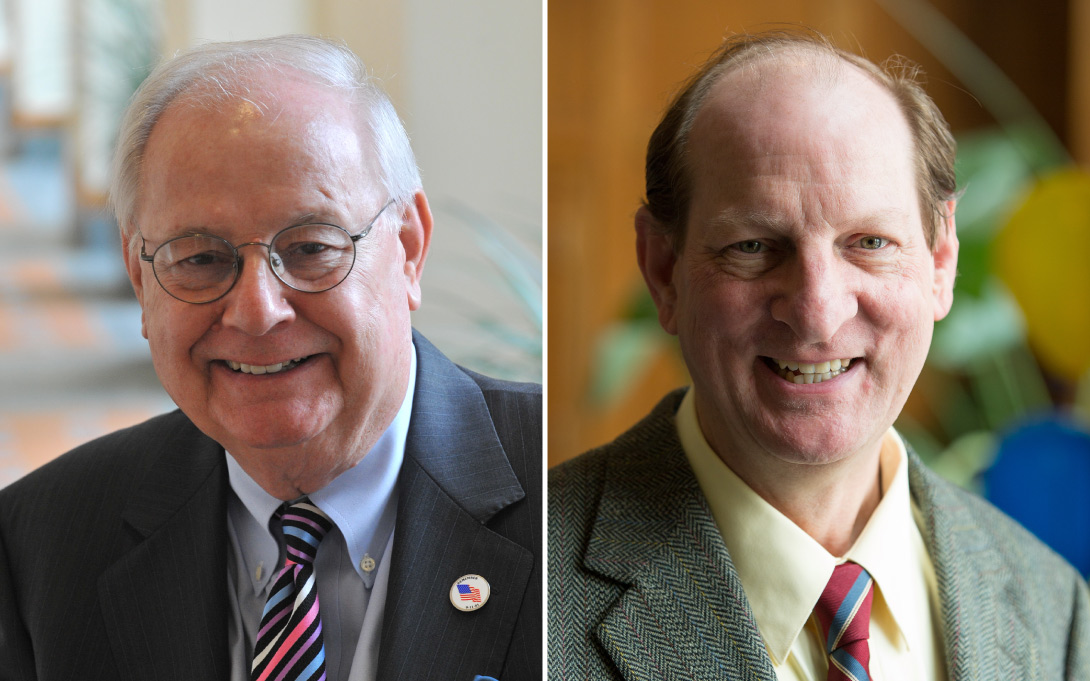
{"x":831,"y":502}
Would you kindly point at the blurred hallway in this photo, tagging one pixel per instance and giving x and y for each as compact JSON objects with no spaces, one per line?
{"x":73,"y":364}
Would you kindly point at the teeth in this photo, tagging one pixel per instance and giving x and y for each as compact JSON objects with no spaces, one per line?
{"x":259,"y":369}
{"x":808,"y":374}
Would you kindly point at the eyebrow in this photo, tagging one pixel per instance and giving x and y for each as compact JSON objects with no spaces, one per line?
{"x":307,"y":218}
{"x":731,"y":217}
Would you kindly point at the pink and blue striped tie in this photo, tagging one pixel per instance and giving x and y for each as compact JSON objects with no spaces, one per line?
{"x":289,"y":643}
{"x":843,"y":611}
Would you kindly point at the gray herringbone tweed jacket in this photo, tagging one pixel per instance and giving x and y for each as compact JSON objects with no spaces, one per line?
{"x":641,"y":585}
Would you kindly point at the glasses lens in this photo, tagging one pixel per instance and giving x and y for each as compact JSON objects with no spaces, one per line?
{"x":195,"y":268}
{"x":313,"y":257}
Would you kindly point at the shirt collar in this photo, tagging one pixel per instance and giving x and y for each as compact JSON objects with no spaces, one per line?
{"x":782,"y":569}
{"x":892,"y":549}
{"x":362,"y":503}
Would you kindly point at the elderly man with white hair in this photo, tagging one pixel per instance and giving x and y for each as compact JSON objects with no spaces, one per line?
{"x":334,"y":498}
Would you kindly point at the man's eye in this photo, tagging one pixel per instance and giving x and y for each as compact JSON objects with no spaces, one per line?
{"x":873,"y":242}
{"x":206,"y":259}
{"x":750,"y":246}
{"x":308,"y":248}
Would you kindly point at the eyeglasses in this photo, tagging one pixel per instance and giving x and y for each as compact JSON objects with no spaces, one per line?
{"x":202,"y":268}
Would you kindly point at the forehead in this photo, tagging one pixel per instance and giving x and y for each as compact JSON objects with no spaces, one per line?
{"x":774,"y":111}
{"x":281,"y":139}
{"x":258,"y":107}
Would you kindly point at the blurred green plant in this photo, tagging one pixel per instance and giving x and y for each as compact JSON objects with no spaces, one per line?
{"x":982,"y":375}
{"x":504,"y":346}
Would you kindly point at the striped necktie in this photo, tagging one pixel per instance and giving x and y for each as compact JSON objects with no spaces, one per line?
{"x":289,"y":643}
{"x":843,"y":612}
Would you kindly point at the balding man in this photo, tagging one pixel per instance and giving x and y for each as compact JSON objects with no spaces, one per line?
{"x":334,"y":498}
{"x":768,"y":523}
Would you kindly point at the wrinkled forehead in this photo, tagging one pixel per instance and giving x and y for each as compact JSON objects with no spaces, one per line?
{"x":273,"y":146}
{"x":270,"y":114}
{"x":265,"y":97}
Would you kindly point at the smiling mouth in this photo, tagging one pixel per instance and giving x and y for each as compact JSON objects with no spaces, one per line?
{"x":805,"y":374}
{"x":262,"y":369}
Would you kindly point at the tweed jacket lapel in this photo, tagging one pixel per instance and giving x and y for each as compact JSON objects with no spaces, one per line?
{"x":454,"y":479}
{"x":165,"y":600}
{"x":683,"y":614}
{"x":983,"y":610}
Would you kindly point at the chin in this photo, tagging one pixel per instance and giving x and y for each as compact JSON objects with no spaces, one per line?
{"x":271,"y":431}
{"x":812,"y":447}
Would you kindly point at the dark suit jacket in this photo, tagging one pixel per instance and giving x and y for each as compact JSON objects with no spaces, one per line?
{"x":113,"y":557}
{"x":641,"y":585}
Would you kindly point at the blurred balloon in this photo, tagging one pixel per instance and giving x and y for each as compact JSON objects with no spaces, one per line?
{"x":1042,"y":255}
{"x":1041,"y":478}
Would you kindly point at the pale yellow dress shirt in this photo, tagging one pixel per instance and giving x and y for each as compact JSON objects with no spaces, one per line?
{"x":783,"y":570}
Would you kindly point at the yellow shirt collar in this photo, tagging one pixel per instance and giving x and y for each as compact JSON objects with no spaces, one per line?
{"x":783,"y":570}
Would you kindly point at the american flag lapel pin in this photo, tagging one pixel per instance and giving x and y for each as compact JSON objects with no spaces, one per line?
{"x":469,"y":592}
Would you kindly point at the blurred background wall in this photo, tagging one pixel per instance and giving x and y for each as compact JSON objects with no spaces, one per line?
{"x":997,"y":406}
{"x":466,"y":79}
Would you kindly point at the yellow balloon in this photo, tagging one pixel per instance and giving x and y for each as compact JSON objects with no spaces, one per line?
{"x":1043,"y":255}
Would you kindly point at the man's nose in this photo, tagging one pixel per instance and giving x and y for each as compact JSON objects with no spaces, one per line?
{"x":816,"y":297}
{"x":257,"y":304}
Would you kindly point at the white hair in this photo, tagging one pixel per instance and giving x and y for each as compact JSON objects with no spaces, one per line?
{"x":216,"y":71}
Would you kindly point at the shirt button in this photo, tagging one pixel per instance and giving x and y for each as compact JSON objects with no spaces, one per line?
{"x":259,"y":571}
{"x":367,"y":564}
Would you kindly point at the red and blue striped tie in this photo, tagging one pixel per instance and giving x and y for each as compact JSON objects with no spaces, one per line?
{"x":843,"y":611}
{"x":289,"y":643}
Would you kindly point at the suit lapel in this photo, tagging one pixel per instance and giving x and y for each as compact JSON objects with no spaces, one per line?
{"x":165,"y":600}
{"x":982,"y":615}
{"x":455,"y":478}
{"x":684,"y":614}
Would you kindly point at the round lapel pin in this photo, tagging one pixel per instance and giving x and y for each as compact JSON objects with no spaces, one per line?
{"x":469,"y":592}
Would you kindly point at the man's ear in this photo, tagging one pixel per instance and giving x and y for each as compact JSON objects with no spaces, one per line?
{"x":945,"y":256}
{"x":415,"y":236}
{"x":131,"y":256}
{"x":656,"y":257}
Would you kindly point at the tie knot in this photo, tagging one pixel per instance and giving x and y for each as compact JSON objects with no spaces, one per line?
{"x":843,"y":611}
{"x":304,"y":526}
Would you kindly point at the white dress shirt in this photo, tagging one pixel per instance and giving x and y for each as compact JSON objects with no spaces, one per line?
{"x":352,"y":566}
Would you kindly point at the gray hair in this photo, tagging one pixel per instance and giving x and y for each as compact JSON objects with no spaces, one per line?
{"x":217,"y":71}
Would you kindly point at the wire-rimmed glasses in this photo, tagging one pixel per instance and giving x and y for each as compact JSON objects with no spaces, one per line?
{"x":202,"y":268}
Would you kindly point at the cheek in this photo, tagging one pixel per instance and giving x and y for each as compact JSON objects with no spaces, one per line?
{"x":902,"y":322}
{"x":368,"y":318}
{"x":172,"y":328}
{"x":718,"y":321}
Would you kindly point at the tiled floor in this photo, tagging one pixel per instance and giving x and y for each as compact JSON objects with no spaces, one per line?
{"x":73,"y":365}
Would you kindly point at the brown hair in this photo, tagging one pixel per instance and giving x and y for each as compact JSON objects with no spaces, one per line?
{"x":666,"y":172}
